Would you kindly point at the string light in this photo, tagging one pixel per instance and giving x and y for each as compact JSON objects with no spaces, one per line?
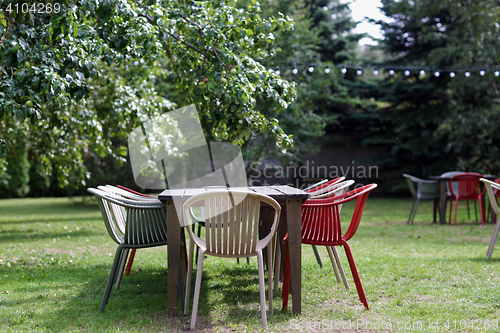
{"x":407,"y":70}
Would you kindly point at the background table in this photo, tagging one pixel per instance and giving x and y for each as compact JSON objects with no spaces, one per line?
{"x":443,"y":184}
{"x":289,"y":197}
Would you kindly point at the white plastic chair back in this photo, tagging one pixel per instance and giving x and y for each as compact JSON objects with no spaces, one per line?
{"x":231,"y":230}
{"x":334,"y":189}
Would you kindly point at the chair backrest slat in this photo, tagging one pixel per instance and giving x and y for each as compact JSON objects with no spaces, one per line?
{"x":232,"y":221}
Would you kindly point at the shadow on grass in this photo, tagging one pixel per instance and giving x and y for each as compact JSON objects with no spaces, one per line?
{"x":238,"y":291}
{"x":15,"y":236}
{"x":49,"y":219}
{"x":141,"y":298}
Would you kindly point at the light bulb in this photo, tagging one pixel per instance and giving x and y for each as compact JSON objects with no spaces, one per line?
{"x":497,"y":73}
{"x":467,"y":74}
{"x":344,"y":70}
{"x":327,"y":70}
{"x":482,"y":72}
{"x":436,"y":74}
{"x":359,"y":71}
{"x":295,"y":70}
{"x":375,"y":72}
{"x":311,"y":69}
{"x":407,"y":72}
{"x":391,"y":72}
{"x":422,"y":72}
{"x":452,"y":74}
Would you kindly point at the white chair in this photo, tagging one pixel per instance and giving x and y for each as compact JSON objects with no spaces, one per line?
{"x":231,"y":231}
{"x":490,"y":187}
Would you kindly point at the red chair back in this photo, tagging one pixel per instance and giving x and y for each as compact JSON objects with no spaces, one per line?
{"x":468,"y":186}
{"x":321,"y":218}
{"x":495,"y":191}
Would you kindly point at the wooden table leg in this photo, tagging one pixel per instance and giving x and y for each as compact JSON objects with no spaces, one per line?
{"x":294,"y":220}
{"x":173,"y":256}
{"x":435,"y":208}
{"x":442,"y":199}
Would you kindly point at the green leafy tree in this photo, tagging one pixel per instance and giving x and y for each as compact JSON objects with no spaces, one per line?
{"x":321,"y":38}
{"x":70,"y":73}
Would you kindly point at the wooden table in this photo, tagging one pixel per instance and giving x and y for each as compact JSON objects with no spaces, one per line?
{"x":289,"y":197}
{"x":443,"y":184}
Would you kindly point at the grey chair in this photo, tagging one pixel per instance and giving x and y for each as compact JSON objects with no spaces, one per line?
{"x":132,"y":224}
{"x":426,"y":190}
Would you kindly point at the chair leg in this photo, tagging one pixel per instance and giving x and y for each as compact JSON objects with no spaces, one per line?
{"x":355,"y":275}
{"x":199,"y":234}
{"x":316,"y":254}
{"x":111,"y":278}
{"x":130,"y":261}
{"x":435,"y":207}
{"x":411,"y":211}
{"x":456,"y":211}
{"x":199,"y":272}
{"x":468,"y":210}
{"x":121,"y":266}
{"x":493,"y":239}
{"x":341,"y":269}
{"x":451,"y":207}
{"x":415,"y":210}
{"x":286,"y":279}
{"x":270,"y":268}
{"x":475,"y":209}
{"x":188,"y":276}
{"x":332,"y":259}
{"x":481,"y":210}
{"x":260,"y":264}
{"x":277,"y":266}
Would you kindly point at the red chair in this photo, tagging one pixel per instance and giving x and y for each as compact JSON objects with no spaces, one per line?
{"x":467,"y":189}
{"x":321,"y":226}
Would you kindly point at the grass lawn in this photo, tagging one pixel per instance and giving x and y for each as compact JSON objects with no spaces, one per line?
{"x":55,"y":258}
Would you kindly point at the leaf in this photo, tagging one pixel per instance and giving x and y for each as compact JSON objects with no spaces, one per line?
{"x":20,"y":55}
